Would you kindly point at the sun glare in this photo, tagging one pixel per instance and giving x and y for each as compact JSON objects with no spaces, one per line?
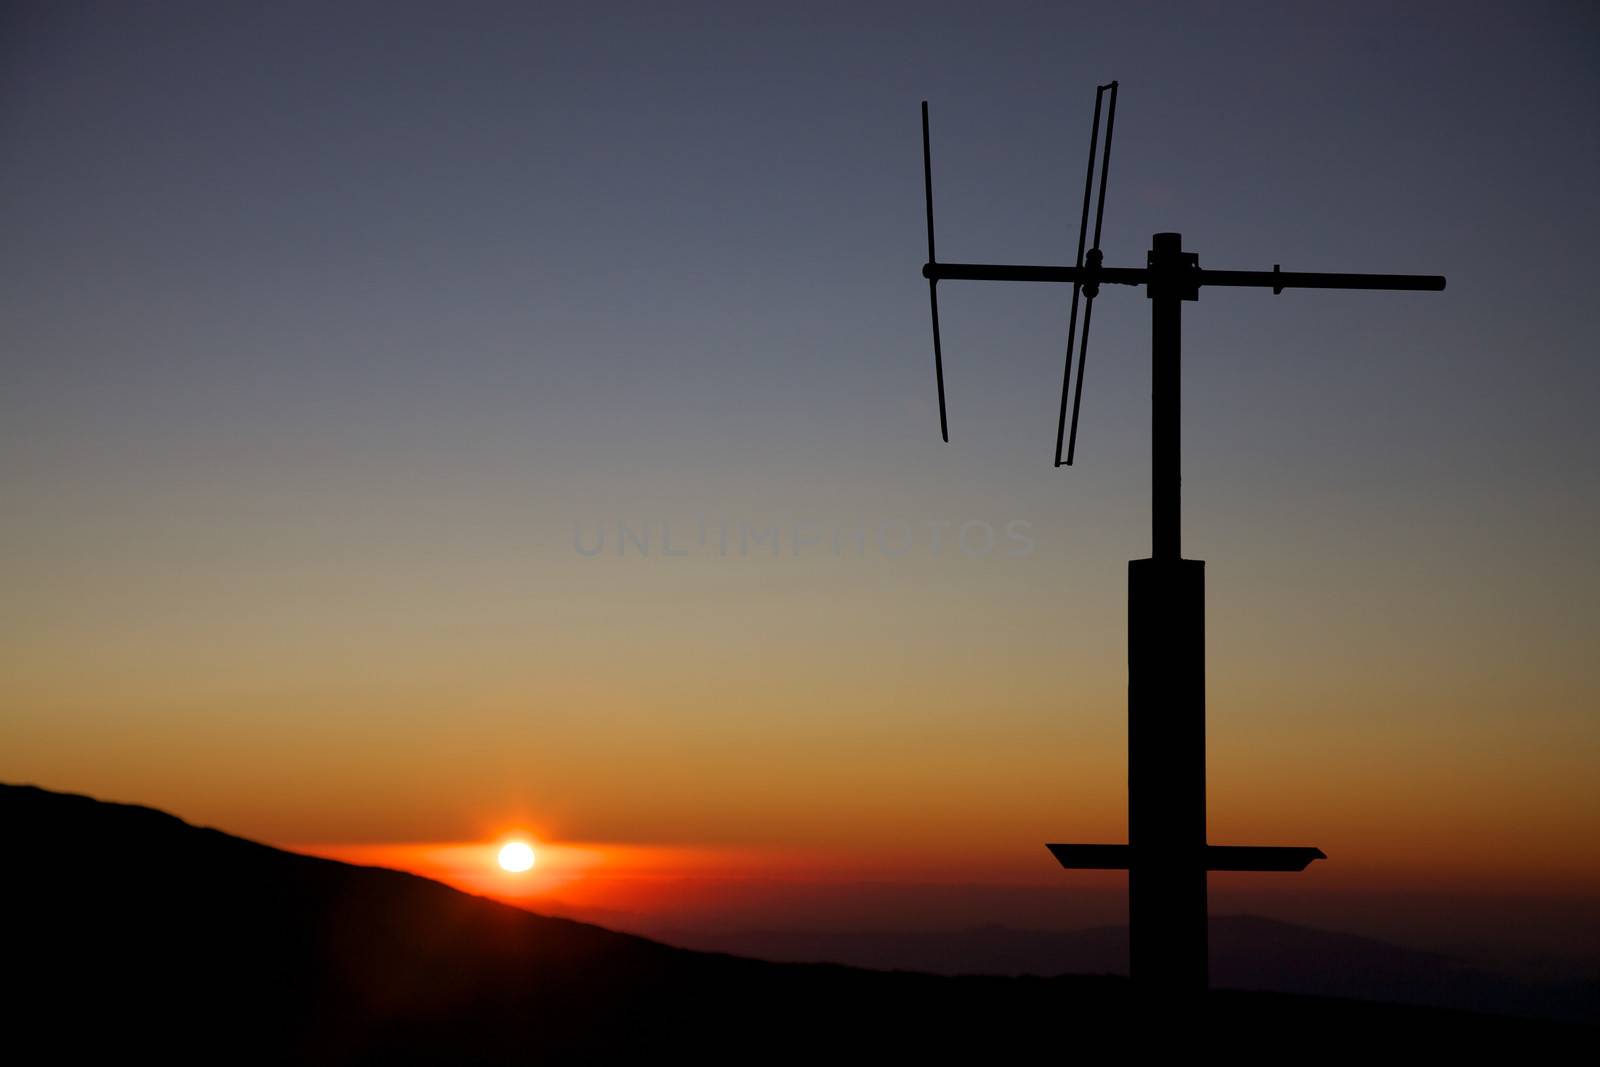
{"x":516,"y":857}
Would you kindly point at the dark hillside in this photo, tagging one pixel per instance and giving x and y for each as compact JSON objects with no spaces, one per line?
{"x":129,"y":930}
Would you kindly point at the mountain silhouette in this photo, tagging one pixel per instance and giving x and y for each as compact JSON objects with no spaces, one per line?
{"x":129,"y":931}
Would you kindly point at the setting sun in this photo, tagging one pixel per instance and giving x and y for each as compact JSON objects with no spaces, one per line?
{"x":516,"y":857}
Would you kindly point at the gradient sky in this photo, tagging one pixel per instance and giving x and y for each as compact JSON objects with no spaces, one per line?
{"x":332,"y":333}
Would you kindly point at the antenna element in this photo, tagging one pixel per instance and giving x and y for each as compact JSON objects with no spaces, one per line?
{"x":933,"y":283}
{"x":1091,"y":286}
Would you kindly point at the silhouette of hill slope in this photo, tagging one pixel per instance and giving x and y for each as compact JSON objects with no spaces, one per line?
{"x":128,"y":929}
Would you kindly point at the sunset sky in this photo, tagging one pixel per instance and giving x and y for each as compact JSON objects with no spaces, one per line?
{"x":336,"y":338}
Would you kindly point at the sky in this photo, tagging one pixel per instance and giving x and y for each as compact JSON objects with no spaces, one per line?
{"x":422,"y":422}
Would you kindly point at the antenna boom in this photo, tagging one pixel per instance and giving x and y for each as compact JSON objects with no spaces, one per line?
{"x":1258,"y":279}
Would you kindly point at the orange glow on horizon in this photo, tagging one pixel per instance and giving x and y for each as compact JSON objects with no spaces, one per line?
{"x":635,"y":877}
{"x":646,"y":877}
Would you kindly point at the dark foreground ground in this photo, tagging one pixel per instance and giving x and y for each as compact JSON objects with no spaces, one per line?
{"x":128,"y":931}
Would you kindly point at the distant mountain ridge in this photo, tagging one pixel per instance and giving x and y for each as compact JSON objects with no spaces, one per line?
{"x":130,"y":932}
{"x":1247,"y":952}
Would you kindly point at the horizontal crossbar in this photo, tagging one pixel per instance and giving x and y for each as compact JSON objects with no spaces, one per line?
{"x":998,"y":272}
{"x":1214,"y":857}
{"x":1260,"y":279}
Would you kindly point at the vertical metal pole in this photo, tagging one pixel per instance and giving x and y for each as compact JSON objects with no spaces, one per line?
{"x":1166,"y":351}
{"x":1166,"y":693}
{"x":1167,"y":775}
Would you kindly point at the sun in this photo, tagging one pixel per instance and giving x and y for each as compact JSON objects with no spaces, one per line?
{"x":516,"y":857}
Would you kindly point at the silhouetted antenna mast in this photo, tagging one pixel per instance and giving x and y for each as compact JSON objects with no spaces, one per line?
{"x":1167,"y":855}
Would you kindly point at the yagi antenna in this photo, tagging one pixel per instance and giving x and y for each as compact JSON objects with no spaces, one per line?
{"x":1089,"y":289}
{"x":1167,"y":856}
